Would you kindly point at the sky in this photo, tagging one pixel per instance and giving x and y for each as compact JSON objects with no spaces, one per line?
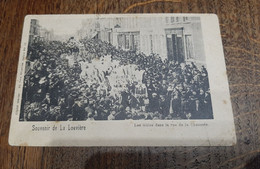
{"x":61,"y":26}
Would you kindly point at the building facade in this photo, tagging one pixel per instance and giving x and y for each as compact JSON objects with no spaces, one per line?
{"x":37,"y":32}
{"x":176,"y":38}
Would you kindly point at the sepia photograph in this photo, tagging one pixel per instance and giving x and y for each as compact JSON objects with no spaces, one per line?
{"x":138,"y":68}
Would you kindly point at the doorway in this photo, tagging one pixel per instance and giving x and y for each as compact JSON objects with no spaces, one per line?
{"x":175,"y":47}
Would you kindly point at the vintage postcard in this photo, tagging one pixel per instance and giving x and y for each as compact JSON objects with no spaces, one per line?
{"x":122,"y":80}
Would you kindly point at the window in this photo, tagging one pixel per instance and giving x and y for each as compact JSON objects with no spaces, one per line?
{"x":109,"y":37}
{"x":126,"y":41}
{"x":189,"y":47}
{"x":167,"y":20}
{"x":172,"y":19}
{"x":185,"y":19}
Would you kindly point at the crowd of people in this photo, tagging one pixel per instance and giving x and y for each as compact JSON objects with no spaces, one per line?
{"x":54,"y":90}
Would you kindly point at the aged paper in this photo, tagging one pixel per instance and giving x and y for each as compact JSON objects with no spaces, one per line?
{"x":122,"y":80}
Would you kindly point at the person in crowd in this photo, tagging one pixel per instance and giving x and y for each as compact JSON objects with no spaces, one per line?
{"x":54,"y":88}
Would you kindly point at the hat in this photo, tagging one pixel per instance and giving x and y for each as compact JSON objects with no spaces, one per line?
{"x":69,"y":116}
{"x":154,"y":94}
